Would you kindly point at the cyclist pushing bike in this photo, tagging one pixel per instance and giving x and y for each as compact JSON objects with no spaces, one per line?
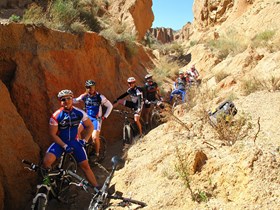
{"x":136,"y":102}
{"x":152,"y":97}
{"x":93,"y":104}
{"x":63,"y":131}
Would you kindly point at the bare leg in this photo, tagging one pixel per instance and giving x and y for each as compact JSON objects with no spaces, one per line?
{"x":88,"y":172}
{"x":137,"y":120}
{"x":49,"y":160}
{"x":95,"y":135}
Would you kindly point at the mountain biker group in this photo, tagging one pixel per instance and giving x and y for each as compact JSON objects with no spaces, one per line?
{"x":68,"y":122}
{"x":183,"y":82}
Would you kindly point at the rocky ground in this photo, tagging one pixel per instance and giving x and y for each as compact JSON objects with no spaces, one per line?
{"x":244,"y":175}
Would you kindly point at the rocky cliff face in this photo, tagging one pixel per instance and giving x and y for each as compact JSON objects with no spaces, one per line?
{"x":36,"y":63}
{"x":136,"y":15}
{"x":164,"y":35}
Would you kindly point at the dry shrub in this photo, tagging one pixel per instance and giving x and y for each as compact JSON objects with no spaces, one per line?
{"x":165,"y":69}
{"x":34,"y":15}
{"x":254,"y":84}
{"x":231,"y":130}
{"x":251,"y":86}
{"x":272,"y":84}
{"x":230,"y":43}
{"x":220,"y":76}
{"x":182,"y":168}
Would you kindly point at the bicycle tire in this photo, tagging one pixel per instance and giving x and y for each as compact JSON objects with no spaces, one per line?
{"x":127,"y":135}
{"x":69,"y":163}
{"x":155,"y":120}
{"x":40,"y":204}
{"x":90,"y":149}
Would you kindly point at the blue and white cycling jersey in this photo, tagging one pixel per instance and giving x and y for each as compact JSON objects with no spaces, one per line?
{"x":68,"y":122}
{"x":93,"y":104}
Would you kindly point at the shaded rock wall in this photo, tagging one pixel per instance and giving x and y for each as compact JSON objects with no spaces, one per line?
{"x":36,"y":63}
{"x":16,"y":144}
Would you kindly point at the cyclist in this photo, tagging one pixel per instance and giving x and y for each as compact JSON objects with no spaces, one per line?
{"x":193,"y":74}
{"x":151,"y":97}
{"x":64,"y":129}
{"x":136,"y":102}
{"x":179,"y":86}
{"x":93,"y":104}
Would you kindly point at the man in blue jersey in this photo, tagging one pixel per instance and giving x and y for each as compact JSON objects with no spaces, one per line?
{"x":63,"y":131}
{"x":93,"y":104}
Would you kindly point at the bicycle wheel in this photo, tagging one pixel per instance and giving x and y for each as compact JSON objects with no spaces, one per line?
{"x":127,"y":135}
{"x":155,"y":120}
{"x":40,"y":204}
{"x":64,"y":189}
{"x":69,"y":162}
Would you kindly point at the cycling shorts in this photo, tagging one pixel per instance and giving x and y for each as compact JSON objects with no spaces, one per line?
{"x":97,"y":122}
{"x":79,"y":152}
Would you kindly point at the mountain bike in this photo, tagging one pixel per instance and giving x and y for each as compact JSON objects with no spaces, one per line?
{"x":128,"y":130}
{"x":101,"y":200}
{"x":90,"y":149}
{"x":55,"y":184}
{"x":155,"y":119}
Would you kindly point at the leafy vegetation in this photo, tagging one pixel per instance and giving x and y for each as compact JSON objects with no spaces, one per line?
{"x":73,"y":16}
{"x":14,"y":18}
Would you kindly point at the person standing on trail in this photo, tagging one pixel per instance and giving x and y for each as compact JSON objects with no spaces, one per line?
{"x":179,"y":86}
{"x":63,"y":130}
{"x":136,"y":102}
{"x":152,"y":98}
{"x":193,"y":75}
{"x":93,"y":105}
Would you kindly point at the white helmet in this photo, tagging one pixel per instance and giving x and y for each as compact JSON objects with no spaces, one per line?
{"x":131,"y":79}
{"x":65,"y":93}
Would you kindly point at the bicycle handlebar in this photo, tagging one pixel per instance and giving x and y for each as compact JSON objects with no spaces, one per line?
{"x":82,"y":182}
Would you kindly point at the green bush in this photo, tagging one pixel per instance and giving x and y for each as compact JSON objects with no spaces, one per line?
{"x":14,"y":18}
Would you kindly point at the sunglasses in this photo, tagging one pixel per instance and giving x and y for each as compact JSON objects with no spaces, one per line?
{"x":66,"y":99}
{"x":88,"y":87}
{"x":131,"y":83}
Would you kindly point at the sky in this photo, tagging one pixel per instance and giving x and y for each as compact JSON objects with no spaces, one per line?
{"x":172,"y":13}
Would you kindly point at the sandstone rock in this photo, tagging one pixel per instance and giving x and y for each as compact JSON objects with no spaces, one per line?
{"x":38,"y":63}
{"x":16,"y":144}
{"x":136,"y":15}
{"x":164,"y":35}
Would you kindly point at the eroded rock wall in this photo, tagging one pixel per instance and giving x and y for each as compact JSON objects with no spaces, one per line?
{"x":36,"y":63}
{"x":136,"y":15}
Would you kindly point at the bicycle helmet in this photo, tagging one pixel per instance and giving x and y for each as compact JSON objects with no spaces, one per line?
{"x":148,"y":76}
{"x":181,"y":72}
{"x":131,"y":80}
{"x":89,"y":83}
{"x":63,"y":93}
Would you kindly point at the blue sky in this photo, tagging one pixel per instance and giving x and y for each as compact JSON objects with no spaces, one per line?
{"x":172,"y":13}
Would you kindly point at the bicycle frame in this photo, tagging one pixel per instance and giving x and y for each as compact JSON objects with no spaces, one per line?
{"x":100,"y":200}
{"x":128,"y":130}
{"x":54,"y":182}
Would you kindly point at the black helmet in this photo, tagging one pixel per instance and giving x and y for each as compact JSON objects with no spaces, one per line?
{"x":148,"y":76}
{"x":64,"y":93}
{"x":89,"y":83}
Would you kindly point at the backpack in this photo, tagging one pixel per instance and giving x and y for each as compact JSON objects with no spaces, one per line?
{"x":225,"y":111}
